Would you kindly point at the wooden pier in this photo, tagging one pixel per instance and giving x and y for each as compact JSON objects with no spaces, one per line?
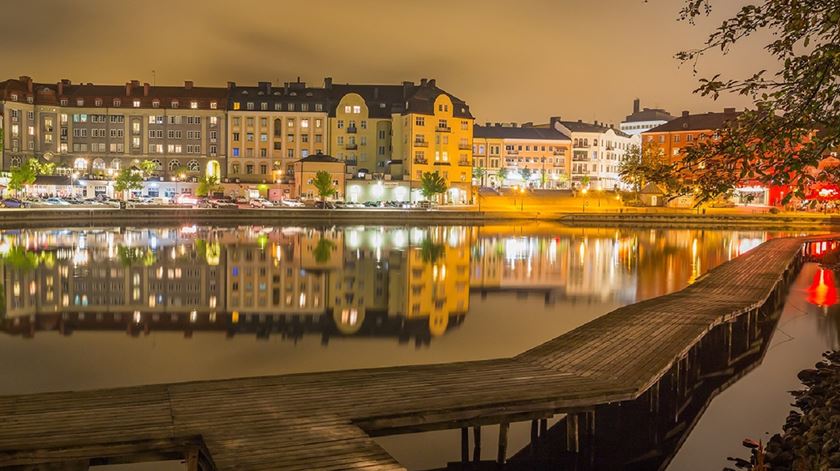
{"x":326,"y":420}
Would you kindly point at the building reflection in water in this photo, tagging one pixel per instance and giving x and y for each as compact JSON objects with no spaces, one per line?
{"x":409,"y":283}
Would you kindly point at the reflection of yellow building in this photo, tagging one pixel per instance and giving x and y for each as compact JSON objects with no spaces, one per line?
{"x":439,"y":277}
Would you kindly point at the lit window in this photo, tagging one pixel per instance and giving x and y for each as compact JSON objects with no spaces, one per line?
{"x":137,"y":103}
{"x":304,"y":123}
{"x":194,"y":105}
{"x":357,"y":109}
{"x":213,"y":105}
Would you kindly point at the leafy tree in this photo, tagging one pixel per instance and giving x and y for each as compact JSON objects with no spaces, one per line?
{"x":432,"y":184}
{"x":525,"y":173}
{"x":430,"y":251}
{"x":775,"y":142}
{"x":478,"y":174}
{"x":324,"y":184}
{"x":503,"y":173}
{"x":207,"y":185}
{"x":128,"y":180}
{"x":24,"y":175}
{"x":147,"y":168}
{"x":584,"y":181}
{"x":136,"y":256}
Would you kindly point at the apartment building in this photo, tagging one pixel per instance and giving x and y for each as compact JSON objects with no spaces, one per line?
{"x":521,"y":155}
{"x":642,"y":120}
{"x":271,"y":127}
{"x":93,"y":131}
{"x":597,"y":151}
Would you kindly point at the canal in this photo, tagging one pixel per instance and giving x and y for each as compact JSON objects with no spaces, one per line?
{"x":107,"y":307}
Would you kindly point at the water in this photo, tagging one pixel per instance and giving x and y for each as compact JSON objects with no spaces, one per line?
{"x":110,"y":307}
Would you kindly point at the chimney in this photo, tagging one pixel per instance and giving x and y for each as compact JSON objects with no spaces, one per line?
{"x":580,"y":121}
{"x":431,"y":83}
{"x":135,"y":83}
{"x":729,"y":110}
{"x":265,"y":87}
{"x":146,"y":89}
{"x":406,"y":88}
{"x":528,"y":124}
{"x":685,"y":114}
{"x":328,"y":83}
{"x":636,"y":104}
{"x":61,"y":87}
{"x":487,"y":124}
{"x":188,"y":84}
{"x":28,"y":81}
{"x":554,"y":121}
{"x":231,"y":85}
{"x":422,"y":82}
{"x":513,"y":125}
{"x":128,"y":89}
{"x":498,"y":125}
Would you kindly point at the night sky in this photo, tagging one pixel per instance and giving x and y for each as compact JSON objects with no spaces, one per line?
{"x":510,"y":60}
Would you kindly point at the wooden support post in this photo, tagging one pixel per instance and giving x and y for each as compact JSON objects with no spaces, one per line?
{"x":477,"y":443}
{"x":192,"y":460}
{"x":543,"y":426}
{"x":535,"y":435}
{"x":465,"y":444}
{"x":503,"y":437}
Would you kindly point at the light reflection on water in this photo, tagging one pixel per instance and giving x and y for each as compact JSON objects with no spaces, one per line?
{"x":111,"y":307}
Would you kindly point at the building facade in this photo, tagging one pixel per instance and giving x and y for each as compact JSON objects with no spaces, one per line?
{"x":643,"y":119}
{"x":93,"y":131}
{"x":525,"y":155}
{"x":597,"y":151}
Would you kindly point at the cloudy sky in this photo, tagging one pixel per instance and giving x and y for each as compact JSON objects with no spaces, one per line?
{"x":519,"y":60}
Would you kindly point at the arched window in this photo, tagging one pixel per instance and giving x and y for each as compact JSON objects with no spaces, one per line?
{"x":158,"y":165}
{"x":98,"y":164}
{"x":174,"y":164}
{"x":193,"y":166}
{"x":278,"y":129}
{"x":15,"y":162}
{"x":115,"y":164}
{"x":80,"y":164}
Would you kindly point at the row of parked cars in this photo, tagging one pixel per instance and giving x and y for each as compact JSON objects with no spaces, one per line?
{"x":186,"y":200}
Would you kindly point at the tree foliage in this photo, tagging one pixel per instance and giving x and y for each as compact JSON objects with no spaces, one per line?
{"x":25,"y":174}
{"x":128,"y":180}
{"x":323,"y":183}
{"x":147,"y":168}
{"x":648,"y":164}
{"x":432,"y":184}
{"x":207,"y":185}
{"x":795,"y":120}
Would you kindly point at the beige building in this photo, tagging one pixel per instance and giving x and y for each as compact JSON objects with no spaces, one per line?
{"x":93,"y":131}
{"x":308,"y":167}
{"x":514,"y":155}
{"x":273,"y":127}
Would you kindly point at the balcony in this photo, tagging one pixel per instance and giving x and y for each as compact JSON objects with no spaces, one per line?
{"x":351,"y":129}
{"x":560,"y":163}
{"x":443,"y":129}
{"x":465,"y":147}
{"x":421,"y":161}
{"x":464,"y":163}
{"x":512,"y":152}
{"x":351,"y":163}
{"x":441,"y":162}
{"x":421,"y":144}
{"x":351,"y":146}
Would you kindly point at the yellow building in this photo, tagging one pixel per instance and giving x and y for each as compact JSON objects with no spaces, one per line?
{"x":399,"y":132}
{"x":307,"y":168}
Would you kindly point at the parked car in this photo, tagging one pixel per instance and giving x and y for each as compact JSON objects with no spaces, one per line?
{"x":373,"y":204}
{"x":13,"y":203}
{"x":290,"y":203}
{"x":261,"y":203}
{"x":224,"y":202}
{"x":423,"y":204}
{"x":54,"y":201}
{"x":241,"y":200}
{"x":185,"y":199}
{"x":324,"y":205}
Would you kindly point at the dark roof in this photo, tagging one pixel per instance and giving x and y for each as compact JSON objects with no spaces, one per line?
{"x":580,"y":126}
{"x":698,"y":122}
{"x":52,"y":180}
{"x":649,"y":114}
{"x":52,"y":93}
{"x":519,"y":132}
{"x":385,"y":100}
{"x":265,"y":92}
{"x":319,"y":158}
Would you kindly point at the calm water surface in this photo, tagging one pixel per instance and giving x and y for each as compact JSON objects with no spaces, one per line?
{"x":107,"y":307}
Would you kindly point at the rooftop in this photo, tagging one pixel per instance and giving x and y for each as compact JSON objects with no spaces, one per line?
{"x":518,"y":132}
{"x":698,"y":122}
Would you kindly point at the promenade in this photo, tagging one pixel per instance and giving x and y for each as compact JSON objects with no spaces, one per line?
{"x":326,"y":420}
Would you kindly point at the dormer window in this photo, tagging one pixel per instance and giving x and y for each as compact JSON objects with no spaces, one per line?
{"x":64,"y":102}
{"x":193,"y":105}
{"x":174,"y":103}
{"x":14,"y":97}
{"x":213,"y":105}
{"x":250,"y":105}
{"x":29,"y":100}
{"x":136,"y":103}
{"x":155,"y":103}
{"x":263,"y":106}
{"x":80,"y":102}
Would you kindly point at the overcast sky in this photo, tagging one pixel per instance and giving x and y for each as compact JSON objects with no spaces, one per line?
{"x":520,"y":60}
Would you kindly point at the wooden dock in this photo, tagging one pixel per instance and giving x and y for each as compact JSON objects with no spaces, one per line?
{"x":326,"y":420}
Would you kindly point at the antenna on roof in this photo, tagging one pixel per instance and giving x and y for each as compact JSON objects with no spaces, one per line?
{"x":154,"y":78}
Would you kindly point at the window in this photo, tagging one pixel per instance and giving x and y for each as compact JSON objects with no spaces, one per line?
{"x":419,"y":121}
{"x":193,"y":166}
{"x":304,"y":123}
{"x":213,"y":106}
{"x":249,"y":105}
{"x":348,"y":109}
{"x":290,"y":123}
{"x":175,"y":104}
{"x":156,"y":103}
{"x":80,"y":102}
{"x":174,"y":164}
{"x":136,"y":103}
{"x":236,"y":151}
{"x":135,"y":127}
{"x":193,"y":105}
{"x":135,"y":142}
{"x":357,"y":109}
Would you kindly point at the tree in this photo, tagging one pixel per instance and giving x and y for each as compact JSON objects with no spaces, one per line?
{"x":432,"y":184}
{"x":323,"y":250}
{"x":24,"y":175}
{"x":147,"y":168}
{"x":584,"y":181}
{"x":775,"y":142}
{"x":478,"y":174}
{"x":503,"y":173}
{"x":207,"y":185}
{"x":128,"y":180}
{"x":525,"y":173}
{"x":324,"y":184}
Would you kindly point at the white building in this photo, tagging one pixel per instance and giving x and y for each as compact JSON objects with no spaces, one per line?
{"x":643,"y":120}
{"x":597,"y":151}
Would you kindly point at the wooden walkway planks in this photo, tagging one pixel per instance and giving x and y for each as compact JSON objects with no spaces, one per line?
{"x":311,"y":421}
